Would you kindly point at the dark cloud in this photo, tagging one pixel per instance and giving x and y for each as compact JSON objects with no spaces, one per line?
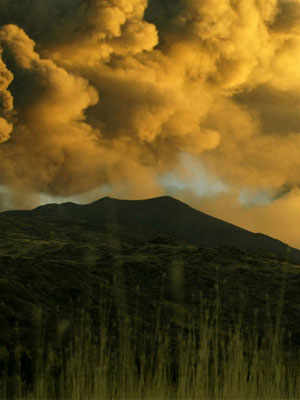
{"x":112,"y":92}
{"x":277,"y":110}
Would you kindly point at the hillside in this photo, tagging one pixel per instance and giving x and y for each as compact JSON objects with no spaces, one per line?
{"x":61,"y":258}
{"x":166,"y":215}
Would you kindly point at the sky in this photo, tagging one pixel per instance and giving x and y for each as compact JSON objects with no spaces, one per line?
{"x":134,"y":99}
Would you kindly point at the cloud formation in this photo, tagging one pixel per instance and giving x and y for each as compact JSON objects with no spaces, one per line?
{"x":97,"y":92}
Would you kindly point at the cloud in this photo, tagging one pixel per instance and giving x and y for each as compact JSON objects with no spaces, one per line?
{"x":112,"y":92}
{"x":6,"y":102}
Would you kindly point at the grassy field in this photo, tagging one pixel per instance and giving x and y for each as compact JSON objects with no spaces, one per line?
{"x":200,"y":360}
{"x":90,"y":314}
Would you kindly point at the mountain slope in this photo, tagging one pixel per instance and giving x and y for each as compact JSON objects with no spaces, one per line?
{"x":165,"y":215}
{"x":61,"y":258}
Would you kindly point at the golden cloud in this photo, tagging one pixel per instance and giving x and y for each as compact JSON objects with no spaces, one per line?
{"x":101,"y":92}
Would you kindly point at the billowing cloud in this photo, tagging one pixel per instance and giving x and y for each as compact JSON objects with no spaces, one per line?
{"x":6,"y":102}
{"x":112,"y":92}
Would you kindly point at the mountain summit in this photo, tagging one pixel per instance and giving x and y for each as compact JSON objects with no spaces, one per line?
{"x":163,"y":215}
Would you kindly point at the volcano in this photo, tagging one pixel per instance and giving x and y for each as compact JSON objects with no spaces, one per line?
{"x":165,"y":215}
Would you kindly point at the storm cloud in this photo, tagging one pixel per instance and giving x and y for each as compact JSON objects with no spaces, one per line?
{"x":112,"y":92}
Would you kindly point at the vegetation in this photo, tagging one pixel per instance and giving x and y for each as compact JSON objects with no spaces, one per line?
{"x":129,"y":366}
{"x":90,"y":314}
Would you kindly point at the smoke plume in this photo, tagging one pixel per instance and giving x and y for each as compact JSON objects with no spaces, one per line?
{"x":112,"y":92}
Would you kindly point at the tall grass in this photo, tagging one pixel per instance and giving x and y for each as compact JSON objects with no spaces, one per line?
{"x":200,"y":359}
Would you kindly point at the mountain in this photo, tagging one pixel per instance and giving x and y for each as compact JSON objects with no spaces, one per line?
{"x":128,"y":255}
{"x":164,"y":215}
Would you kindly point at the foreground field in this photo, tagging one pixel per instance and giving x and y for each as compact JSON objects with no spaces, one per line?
{"x":119,"y":359}
{"x":95,"y":312}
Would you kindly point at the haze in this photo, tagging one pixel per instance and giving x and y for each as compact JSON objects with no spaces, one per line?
{"x":136,"y":99}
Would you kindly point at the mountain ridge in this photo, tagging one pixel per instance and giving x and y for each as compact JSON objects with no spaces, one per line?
{"x":163,"y":215}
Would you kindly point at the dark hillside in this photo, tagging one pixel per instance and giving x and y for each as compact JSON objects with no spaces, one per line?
{"x":166,"y":215}
{"x":62,"y":258}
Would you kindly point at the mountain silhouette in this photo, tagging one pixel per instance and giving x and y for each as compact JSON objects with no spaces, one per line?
{"x":163,"y":215}
{"x":128,"y":254}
